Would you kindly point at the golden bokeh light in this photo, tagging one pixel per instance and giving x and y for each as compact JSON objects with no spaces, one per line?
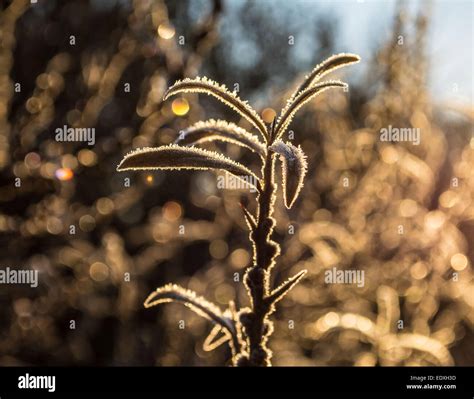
{"x":87,"y":223}
{"x":389,"y":155}
{"x":224,"y":293}
{"x":64,"y":174}
{"x":408,"y":208}
{"x":218,"y":249}
{"x":180,"y":106}
{"x":419,"y":270}
{"x":87,"y":157}
{"x":434,"y":220}
{"x":33,"y":160}
{"x":33,"y":105}
{"x":172,"y":211}
{"x":459,"y":262}
{"x":99,"y":271}
{"x":166,"y":31}
{"x":105,"y":205}
{"x":54,"y":225}
{"x":69,"y":161}
{"x":331,"y":319}
{"x":239,"y":258}
{"x":268,"y":114}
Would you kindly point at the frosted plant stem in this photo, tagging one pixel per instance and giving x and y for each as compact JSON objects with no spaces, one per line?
{"x":258,"y":275}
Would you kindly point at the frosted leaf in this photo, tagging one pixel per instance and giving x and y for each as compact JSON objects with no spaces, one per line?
{"x":176,"y":157}
{"x":294,"y":167}
{"x":283,"y":289}
{"x":218,"y":130}
{"x":174,"y":293}
{"x":293,"y":106}
{"x":207,"y":86}
{"x":327,"y":66}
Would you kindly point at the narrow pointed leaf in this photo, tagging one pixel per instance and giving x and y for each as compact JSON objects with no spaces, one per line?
{"x":293,"y":170}
{"x":283,"y":289}
{"x":213,"y":130}
{"x":237,"y":342}
{"x":252,"y":224}
{"x":207,"y":86}
{"x":294,"y":105}
{"x":177,"y":157}
{"x":329,"y":65}
{"x":198,"y":304}
{"x":214,"y":340}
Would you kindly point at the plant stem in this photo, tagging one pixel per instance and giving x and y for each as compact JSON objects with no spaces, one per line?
{"x":257,"y":277}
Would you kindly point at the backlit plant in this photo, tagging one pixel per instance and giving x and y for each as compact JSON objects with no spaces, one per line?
{"x":247,"y":330}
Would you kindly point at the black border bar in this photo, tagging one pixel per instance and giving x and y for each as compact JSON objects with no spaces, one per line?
{"x":128,"y":380}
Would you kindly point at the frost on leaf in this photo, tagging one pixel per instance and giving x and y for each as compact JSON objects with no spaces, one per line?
{"x":177,"y":157}
{"x":215,"y":339}
{"x":283,"y":289}
{"x":294,"y":105}
{"x":249,"y":218}
{"x":201,"y":306}
{"x":219,"y":130}
{"x":327,"y":66}
{"x":207,"y":86}
{"x":218,"y":335}
{"x":294,"y":167}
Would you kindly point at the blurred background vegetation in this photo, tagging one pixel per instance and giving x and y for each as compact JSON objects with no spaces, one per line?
{"x":358,"y":191}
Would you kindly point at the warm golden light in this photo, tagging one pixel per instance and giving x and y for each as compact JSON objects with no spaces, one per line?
{"x":87,"y":223}
{"x":389,"y":155}
{"x":239,"y":258}
{"x":64,"y":174}
{"x":99,"y":271}
{"x":268,"y":114}
{"x":435,"y":219}
{"x":124,"y":198}
{"x":105,"y":205}
{"x":166,"y":31}
{"x":172,"y":211}
{"x":459,"y":262}
{"x":408,"y":208}
{"x":331,"y":319}
{"x":180,"y":106}
{"x":218,"y":249}
{"x":87,"y":157}
{"x":419,"y":271}
{"x":33,"y":160}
